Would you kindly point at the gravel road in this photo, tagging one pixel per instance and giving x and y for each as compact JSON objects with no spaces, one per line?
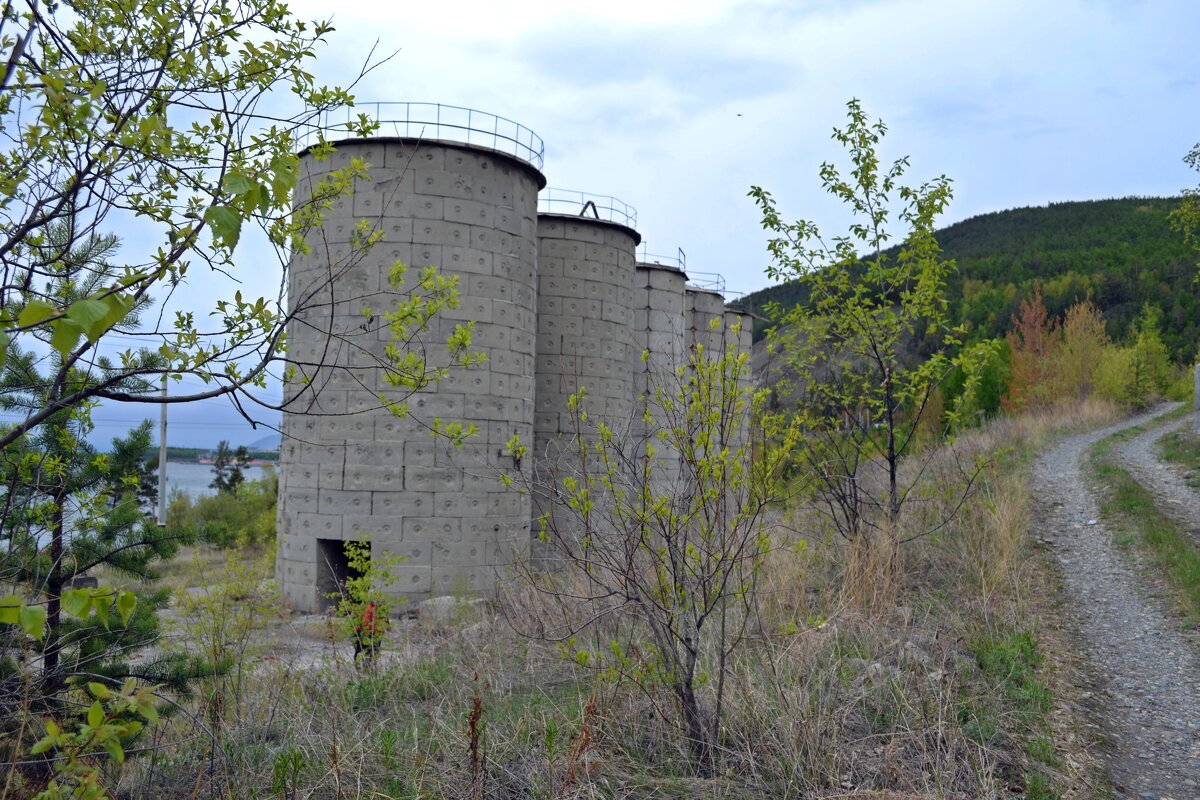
{"x":1171,"y":492}
{"x":1131,"y":637}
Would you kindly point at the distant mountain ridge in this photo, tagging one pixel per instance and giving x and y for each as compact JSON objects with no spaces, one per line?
{"x":1120,"y":252}
{"x":269,"y":442}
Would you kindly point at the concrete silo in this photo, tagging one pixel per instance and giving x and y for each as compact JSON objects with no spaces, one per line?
{"x":659,"y":322}
{"x":660,"y":348}
{"x":585,"y":299}
{"x":705,"y":310}
{"x":586,"y":246}
{"x":455,"y":189}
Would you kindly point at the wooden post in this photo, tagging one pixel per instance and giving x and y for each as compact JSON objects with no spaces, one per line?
{"x":1196,"y":399}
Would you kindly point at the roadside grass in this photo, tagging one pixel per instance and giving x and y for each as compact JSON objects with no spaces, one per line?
{"x":1182,"y":447}
{"x":191,"y":567}
{"x":1013,"y":661}
{"x":1135,"y":518}
{"x":949,"y":687}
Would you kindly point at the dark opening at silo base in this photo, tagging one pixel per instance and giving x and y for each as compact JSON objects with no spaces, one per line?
{"x":333,"y":571}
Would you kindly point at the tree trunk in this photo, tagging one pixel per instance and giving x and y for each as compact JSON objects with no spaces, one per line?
{"x":893,"y":460}
{"x":699,"y":737}
{"x":51,"y":680}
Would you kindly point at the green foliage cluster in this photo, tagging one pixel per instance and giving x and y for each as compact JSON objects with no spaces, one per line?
{"x":90,"y":95}
{"x":1121,"y":253}
{"x":1182,"y":447}
{"x":229,"y":467}
{"x":94,"y":718}
{"x":1135,"y":374}
{"x":241,"y":517}
{"x":113,"y":720}
{"x":222,"y":620}
{"x":147,"y":112}
{"x":371,"y":581}
{"x":852,"y":380}
{"x":976,"y":384}
{"x":1062,"y":360}
{"x":663,"y":531}
{"x":1013,"y":663}
{"x":69,"y":512}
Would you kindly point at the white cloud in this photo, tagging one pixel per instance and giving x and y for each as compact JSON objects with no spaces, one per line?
{"x":1018,"y":101}
{"x":677,"y":107}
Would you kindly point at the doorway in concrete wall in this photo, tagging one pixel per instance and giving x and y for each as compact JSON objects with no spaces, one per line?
{"x":333,"y":570}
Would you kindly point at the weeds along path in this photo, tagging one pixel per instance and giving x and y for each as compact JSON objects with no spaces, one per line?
{"x":1172,"y":495}
{"x":1153,"y":673}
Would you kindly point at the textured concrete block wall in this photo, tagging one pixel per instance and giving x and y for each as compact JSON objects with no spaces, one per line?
{"x":706,"y":319}
{"x":351,"y":470}
{"x":739,"y":339}
{"x":585,"y":336}
{"x":659,"y":324}
{"x":738,"y":333}
{"x":585,"y":304}
{"x":660,"y":328}
{"x":557,"y":302}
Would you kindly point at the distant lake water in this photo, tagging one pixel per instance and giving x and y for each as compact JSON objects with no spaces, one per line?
{"x":195,"y":478}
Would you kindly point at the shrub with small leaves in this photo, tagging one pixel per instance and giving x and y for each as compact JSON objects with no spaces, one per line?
{"x":112,"y":719}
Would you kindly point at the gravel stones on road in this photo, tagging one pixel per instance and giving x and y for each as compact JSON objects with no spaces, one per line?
{"x":1172,"y":494}
{"x":1153,"y":671}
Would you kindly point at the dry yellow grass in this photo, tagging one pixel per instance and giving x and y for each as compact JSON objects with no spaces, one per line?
{"x":846,"y":687}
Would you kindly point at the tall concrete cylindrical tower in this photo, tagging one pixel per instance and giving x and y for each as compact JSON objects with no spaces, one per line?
{"x":660,"y":328}
{"x":739,"y":340}
{"x":705,"y":309}
{"x":585,"y":307}
{"x":351,"y":470}
{"x":659,"y":324}
{"x":739,"y":331}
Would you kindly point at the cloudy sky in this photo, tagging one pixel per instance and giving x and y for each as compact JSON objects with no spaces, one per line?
{"x":679,"y":107}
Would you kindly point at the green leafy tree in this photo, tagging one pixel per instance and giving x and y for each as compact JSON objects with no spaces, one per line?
{"x":133,"y":461}
{"x":1186,"y":217}
{"x":155,"y":114}
{"x":1151,"y":365}
{"x":1084,"y":340}
{"x":1138,"y":373}
{"x":245,"y":518}
{"x":229,"y":467}
{"x":975,"y":388}
{"x":221,"y":618}
{"x":663,"y":534}
{"x":1112,"y":377}
{"x":70,"y":745}
{"x":857,"y":382}
{"x":69,"y":508}
{"x":165,"y":117}
{"x":371,"y":582}
{"x":69,"y":512}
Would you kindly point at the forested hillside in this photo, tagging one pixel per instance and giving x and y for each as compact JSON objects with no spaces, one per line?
{"x":1121,"y":253}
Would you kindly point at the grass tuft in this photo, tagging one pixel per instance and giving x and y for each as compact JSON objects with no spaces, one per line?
{"x":1182,"y":447}
{"x":1131,"y":511}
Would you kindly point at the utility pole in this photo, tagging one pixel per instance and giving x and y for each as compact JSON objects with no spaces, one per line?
{"x":162,"y":458}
